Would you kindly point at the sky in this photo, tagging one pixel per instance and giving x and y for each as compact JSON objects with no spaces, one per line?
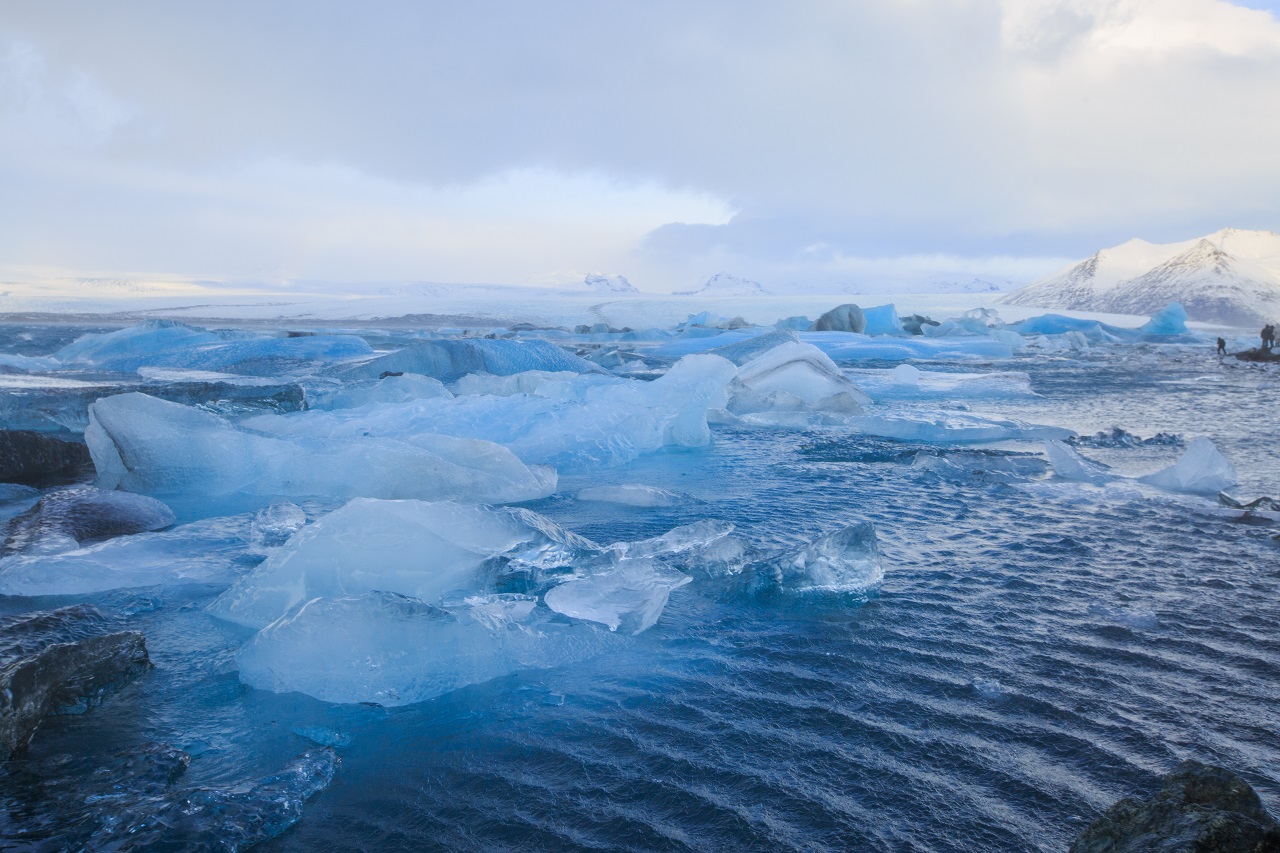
{"x":807,"y":144}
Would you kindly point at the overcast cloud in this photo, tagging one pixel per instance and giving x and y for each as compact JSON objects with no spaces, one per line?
{"x":481,"y":141}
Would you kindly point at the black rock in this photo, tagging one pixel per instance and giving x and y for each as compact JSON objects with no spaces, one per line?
{"x":914,"y":323}
{"x":33,"y":458}
{"x":83,"y":514}
{"x":1199,"y":809}
{"x":63,"y":661}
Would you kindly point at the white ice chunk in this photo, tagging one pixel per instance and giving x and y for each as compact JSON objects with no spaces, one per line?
{"x":143,"y":444}
{"x":528,"y":382}
{"x":386,"y":648}
{"x":799,"y":370}
{"x":949,"y":427}
{"x":628,"y":596}
{"x":632,"y":494}
{"x":389,"y":389}
{"x":424,"y":550}
{"x":1202,"y":469}
{"x":1070,"y":465}
{"x":845,"y":561}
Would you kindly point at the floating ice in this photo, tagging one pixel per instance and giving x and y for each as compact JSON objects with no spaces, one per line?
{"x":528,"y":382}
{"x":159,"y":448}
{"x":632,"y":494}
{"x":986,"y":467}
{"x":450,"y":360}
{"x":274,"y":524}
{"x":906,"y":382}
{"x":842,"y":318}
{"x":1170,"y":320}
{"x":925,"y":348}
{"x":420,"y":549}
{"x":389,"y":389}
{"x":745,"y":350}
{"x":591,"y":421}
{"x":799,"y":370}
{"x":1202,"y":469}
{"x":845,"y":561}
{"x":163,"y":343}
{"x":386,"y":648}
{"x":883,"y":320}
{"x":951,"y":427}
{"x":1070,"y":465}
{"x":707,"y":547}
{"x":628,"y":596}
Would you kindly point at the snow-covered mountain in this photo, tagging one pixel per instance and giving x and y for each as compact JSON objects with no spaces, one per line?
{"x":599,"y":283}
{"x":724,"y":284}
{"x":1231,"y":276}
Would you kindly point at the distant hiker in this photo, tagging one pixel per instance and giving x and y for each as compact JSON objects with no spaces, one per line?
{"x":1268,"y":336}
{"x":1222,"y":347}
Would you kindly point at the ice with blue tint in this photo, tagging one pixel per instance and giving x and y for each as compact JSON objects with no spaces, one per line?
{"x":578,"y":424}
{"x":426,"y":550}
{"x":390,"y":649}
{"x":450,"y":360}
{"x":197,"y":459}
{"x":1170,"y":321}
{"x":933,"y":625}
{"x":162,"y":343}
{"x":883,"y":320}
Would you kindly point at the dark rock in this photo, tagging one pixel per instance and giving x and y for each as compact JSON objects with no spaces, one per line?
{"x":63,"y":661}
{"x":1258,"y":354}
{"x":842,"y":318}
{"x":33,"y":458}
{"x":914,"y":324}
{"x":83,"y":514}
{"x":1264,"y":503}
{"x":1199,"y":809}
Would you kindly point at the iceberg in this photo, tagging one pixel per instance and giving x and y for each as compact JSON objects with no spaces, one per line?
{"x":450,"y":360}
{"x":1202,"y":469}
{"x":163,"y":449}
{"x":164,"y":343}
{"x":399,"y":388}
{"x":952,"y":427}
{"x":392,"y":650}
{"x":425,"y":550}
{"x":907,"y":382}
{"x":587,"y":422}
{"x":883,"y":320}
{"x":794,"y":375}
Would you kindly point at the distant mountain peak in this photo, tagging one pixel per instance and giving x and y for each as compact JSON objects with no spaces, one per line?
{"x":601,"y":283}
{"x":1231,"y":276}
{"x":726,"y":284}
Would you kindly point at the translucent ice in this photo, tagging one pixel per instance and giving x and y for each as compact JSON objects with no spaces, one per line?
{"x":159,"y":448}
{"x":393,"y":650}
{"x":632,"y":494}
{"x":845,"y":561}
{"x":528,"y":382}
{"x":1170,"y":320}
{"x":883,"y":320}
{"x":1202,"y":469}
{"x":706,"y":547}
{"x":416,"y":548}
{"x":909,"y":382}
{"x":389,"y":389}
{"x":950,"y":427}
{"x":628,"y":596}
{"x":274,"y":524}
{"x":745,"y":350}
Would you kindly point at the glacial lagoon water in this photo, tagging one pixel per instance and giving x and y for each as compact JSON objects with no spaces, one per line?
{"x":1038,"y":647}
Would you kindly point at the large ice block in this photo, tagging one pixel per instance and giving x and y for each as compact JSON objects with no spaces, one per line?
{"x":420,"y":549}
{"x":151,"y":446}
{"x":450,"y":360}
{"x":845,"y":561}
{"x":1202,"y":469}
{"x":792,"y":372}
{"x":629,"y":595}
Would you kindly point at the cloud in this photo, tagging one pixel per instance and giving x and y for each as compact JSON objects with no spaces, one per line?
{"x":485,"y":139}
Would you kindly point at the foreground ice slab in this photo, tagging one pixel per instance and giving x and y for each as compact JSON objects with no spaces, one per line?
{"x":151,"y":446}
{"x":794,"y":371}
{"x":415,"y":548}
{"x":393,"y":650}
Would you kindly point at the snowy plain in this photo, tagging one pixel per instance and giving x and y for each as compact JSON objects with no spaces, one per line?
{"x":691,"y":577}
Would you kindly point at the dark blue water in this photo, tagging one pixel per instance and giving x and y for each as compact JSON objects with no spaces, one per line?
{"x":1037,"y":650}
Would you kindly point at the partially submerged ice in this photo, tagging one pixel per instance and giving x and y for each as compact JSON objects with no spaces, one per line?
{"x":63,"y":519}
{"x":632,"y":494}
{"x":846,"y":561}
{"x":426,"y":550}
{"x":450,"y":360}
{"x":628,"y":595}
{"x":391,"y":649}
{"x":154,"y":447}
{"x":794,"y":375}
